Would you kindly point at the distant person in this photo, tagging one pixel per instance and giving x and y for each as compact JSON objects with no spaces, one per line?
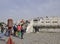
{"x":19,"y":27}
{"x":2,"y":29}
{"x":15,"y":29}
{"x":36,"y":28}
{"x":22,"y":31}
{"x":6,"y":33}
{"x":9,"y":31}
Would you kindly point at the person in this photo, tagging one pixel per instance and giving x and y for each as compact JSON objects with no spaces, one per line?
{"x":9,"y":31}
{"x":36,"y":28}
{"x":2,"y":29}
{"x":15,"y":29}
{"x":19,"y":30}
{"x":22,"y":31}
{"x":6,"y":33}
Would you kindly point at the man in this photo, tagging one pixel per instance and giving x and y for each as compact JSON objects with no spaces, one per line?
{"x":2,"y":29}
{"x":22,"y":30}
{"x":15,"y":29}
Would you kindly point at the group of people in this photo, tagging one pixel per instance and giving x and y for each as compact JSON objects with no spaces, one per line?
{"x":19,"y":30}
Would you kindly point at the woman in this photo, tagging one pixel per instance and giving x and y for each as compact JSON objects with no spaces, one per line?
{"x":19,"y":27}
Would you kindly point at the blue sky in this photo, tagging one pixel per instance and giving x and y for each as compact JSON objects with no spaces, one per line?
{"x":18,"y":9}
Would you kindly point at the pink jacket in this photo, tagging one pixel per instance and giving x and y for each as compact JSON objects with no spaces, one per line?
{"x":19,"y":28}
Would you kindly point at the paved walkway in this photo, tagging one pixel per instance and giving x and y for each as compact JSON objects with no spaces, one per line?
{"x":36,"y":38}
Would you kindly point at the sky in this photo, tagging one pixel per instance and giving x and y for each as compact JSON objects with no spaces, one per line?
{"x":26,"y":9}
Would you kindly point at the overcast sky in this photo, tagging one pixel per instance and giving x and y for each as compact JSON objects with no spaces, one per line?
{"x":18,"y":9}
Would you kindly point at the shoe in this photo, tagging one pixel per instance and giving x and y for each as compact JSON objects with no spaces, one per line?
{"x":21,"y":38}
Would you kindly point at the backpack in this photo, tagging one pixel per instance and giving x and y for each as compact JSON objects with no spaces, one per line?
{"x":14,"y":27}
